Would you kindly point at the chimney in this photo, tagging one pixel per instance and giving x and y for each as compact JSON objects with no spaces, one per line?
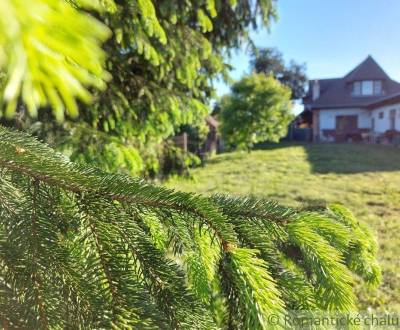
{"x":315,"y":90}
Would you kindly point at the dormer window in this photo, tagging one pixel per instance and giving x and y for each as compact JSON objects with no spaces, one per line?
{"x":357,"y":88}
{"x":377,"y":87}
{"x":367,"y":87}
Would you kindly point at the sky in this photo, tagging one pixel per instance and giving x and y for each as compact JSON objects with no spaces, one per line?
{"x":330,"y":36}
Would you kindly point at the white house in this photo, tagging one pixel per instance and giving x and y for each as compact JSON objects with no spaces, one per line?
{"x":364,"y":104}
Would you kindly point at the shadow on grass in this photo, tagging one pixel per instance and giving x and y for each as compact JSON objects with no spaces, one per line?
{"x":345,"y":157}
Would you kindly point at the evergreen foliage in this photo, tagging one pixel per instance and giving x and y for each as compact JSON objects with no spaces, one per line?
{"x":162,"y":58}
{"x":81,"y":248}
{"x":71,"y":58}
{"x":258,"y":109}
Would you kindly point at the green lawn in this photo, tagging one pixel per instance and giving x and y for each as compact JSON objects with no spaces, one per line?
{"x":365,"y":178}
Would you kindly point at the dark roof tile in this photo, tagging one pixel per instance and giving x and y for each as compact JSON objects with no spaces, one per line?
{"x":367,"y":70}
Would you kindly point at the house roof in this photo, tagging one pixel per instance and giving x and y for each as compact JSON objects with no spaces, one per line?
{"x":369,"y":69}
{"x":391,"y":99}
{"x":324,"y":85}
{"x":337,"y":92}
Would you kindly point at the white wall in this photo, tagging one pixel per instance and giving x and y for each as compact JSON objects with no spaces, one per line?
{"x":327,"y":118}
{"x":383,"y":124}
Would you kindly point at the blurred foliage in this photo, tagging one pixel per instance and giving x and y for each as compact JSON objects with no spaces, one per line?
{"x":71,"y":57}
{"x":162,"y":58}
{"x":270,"y":61}
{"x":196,"y":136}
{"x":258,"y":109}
{"x":176,"y":161}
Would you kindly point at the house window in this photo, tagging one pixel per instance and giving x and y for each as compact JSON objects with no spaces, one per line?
{"x":381,"y":115}
{"x":392,"y":119}
{"x":377,"y":87}
{"x":367,"y":87}
{"x":357,"y":88}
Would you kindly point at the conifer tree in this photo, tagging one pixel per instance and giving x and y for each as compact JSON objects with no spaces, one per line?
{"x":81,"y":248}
{"x":162,"y":58}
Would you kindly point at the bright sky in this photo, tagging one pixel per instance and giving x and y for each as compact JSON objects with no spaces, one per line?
{"x":331,"y":37}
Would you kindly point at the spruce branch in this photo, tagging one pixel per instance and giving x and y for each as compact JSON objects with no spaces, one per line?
{"x":82,"y":248}
{"x":120,"y":188}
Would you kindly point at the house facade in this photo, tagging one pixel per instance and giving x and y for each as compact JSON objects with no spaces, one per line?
{"x":363,"y":105}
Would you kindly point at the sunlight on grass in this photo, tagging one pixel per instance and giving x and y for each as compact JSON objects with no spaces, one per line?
{"x":364,"y":178}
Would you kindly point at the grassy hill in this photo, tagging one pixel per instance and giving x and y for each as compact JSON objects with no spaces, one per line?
{"x":365,"y":178}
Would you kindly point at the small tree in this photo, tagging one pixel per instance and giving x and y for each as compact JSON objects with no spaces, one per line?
{"x":258,"y":109}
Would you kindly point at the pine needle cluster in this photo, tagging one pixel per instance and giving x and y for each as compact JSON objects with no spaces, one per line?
{"x":80,"y":248}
